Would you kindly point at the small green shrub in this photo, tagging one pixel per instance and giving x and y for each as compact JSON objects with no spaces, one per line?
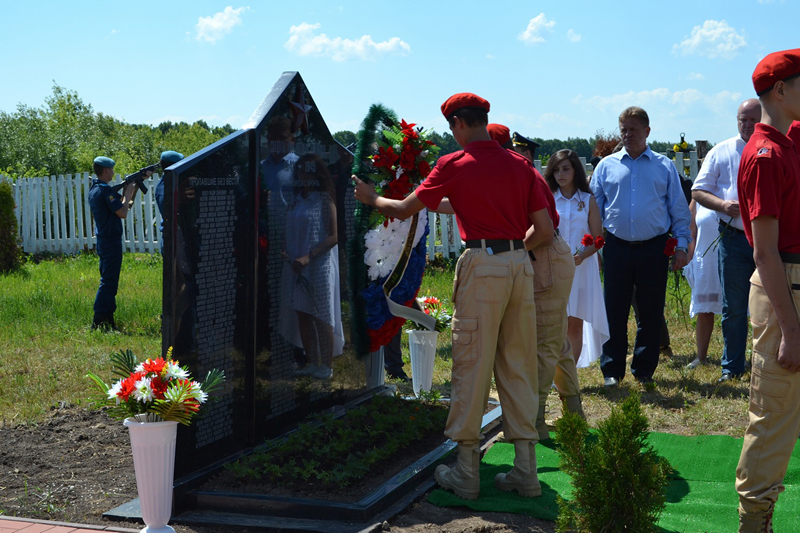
{"x":9,"y":251}
{"x":618,"y":480}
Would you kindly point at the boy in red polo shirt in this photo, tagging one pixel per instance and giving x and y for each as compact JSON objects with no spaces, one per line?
{"x":769,"y":194}
{"x":494,"y":195}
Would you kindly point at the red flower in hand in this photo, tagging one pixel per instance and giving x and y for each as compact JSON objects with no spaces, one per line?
{"x":587,"y":240}
{"x":669,"y":249}
{"x":599,"y":242}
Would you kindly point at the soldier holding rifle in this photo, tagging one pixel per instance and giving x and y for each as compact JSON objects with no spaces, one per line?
{"x":108,"y":208}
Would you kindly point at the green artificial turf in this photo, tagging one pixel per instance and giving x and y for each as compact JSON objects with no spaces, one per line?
{"x":700,"y":497}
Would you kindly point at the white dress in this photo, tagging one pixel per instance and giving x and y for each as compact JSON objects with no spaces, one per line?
{"x":586,"y":298}
{"x":702,"y":272}
{"x":315,"y":290}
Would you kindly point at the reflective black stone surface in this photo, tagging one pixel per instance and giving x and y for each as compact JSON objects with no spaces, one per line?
{"x":255,"y":275}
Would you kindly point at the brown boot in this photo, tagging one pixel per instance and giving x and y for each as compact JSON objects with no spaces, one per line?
{"x":541,"y":425}
{"x":522,"y":478}
{"x":573,"y":405}
{"x":758,"y":522}
{"x":463,"y":479}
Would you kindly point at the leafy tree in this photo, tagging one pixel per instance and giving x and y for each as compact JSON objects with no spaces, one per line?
{"x":445,"y":141}
{"x":345,"y":137}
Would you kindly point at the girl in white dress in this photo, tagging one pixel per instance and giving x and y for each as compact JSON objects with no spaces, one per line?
{"x":580,"y":215}
{"x":702,"y":273}
{"x":312,"y":317}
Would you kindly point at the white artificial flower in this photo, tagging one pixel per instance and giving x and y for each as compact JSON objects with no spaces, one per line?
{"x":174,"y":371}
{"x":115,"y":390}
{"x":385,"y":244}
{"x":143,"y":391}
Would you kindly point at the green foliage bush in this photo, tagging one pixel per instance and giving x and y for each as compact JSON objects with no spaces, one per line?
{"x":9,"y":251}
{"x":618,"y":480}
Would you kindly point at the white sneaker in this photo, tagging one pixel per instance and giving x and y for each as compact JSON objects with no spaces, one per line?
{"x":321,"y":372}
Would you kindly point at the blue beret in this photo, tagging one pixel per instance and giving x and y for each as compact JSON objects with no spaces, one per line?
{"x":104,"y":161}
{"x":171,"y":157}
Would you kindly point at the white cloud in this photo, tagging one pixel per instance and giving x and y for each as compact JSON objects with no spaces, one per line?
{"x":305,"y":41}
{"x":215,"y":27}
{"x":572,"y":36}
{"x":720,"y":101}
{"x":713,"y":39}
{"x":695,"y":76}
{"x":536,"y":26}
{"x":489,"y":56}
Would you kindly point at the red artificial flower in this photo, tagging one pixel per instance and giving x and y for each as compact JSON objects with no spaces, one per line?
{"x":263,"y":242}
{"x":159,"y":387}
{"x":669,"y":249}
{"x":599,"y":242}
{"x":424,"y":169}
{"x":587,"y":240}
{"x":408,"y":129}
{"x":431,"y":300}
{"x":385,"y":158}
{"x":407,"y":159}
{"x":155,"y":366}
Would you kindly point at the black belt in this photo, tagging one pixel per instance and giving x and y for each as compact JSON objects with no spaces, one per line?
{"x":723,"y":227}
{"x":496,"y":246}
{"x":789,"y":257}
{"x":636,"y":244}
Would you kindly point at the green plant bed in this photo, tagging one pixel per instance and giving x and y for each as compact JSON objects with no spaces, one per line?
{"x":340,"y":458}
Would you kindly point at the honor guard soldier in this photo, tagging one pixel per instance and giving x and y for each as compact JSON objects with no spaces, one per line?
{"x":523,"y":144}
{"x":108,"y":209}
{"x":495,"y":196}
{"x":168,"y":158}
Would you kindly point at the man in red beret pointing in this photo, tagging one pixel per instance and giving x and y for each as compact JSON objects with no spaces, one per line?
{"x":769,"y":193}
{"x":495,"y":197}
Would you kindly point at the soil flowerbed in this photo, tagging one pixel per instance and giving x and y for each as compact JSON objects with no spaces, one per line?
{"x":77,"y":464}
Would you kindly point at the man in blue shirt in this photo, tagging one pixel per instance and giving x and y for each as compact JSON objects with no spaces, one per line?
{"x":640,"y":198}
{"x":108,"y":209}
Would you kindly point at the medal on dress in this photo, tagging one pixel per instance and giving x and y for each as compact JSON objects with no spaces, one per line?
{"x":581,"y":205}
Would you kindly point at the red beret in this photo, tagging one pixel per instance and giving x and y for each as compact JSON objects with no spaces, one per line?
{"x":775,"y":67}
{"x":499,"y":133}
{"x":462,"y":100}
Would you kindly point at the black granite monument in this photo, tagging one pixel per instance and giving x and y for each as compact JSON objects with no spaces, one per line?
{"x":255,"y":275}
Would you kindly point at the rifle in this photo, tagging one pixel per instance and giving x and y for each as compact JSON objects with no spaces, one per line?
{"x":137,"y":178}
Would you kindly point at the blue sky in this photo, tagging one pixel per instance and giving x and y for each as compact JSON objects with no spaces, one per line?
{"x":549,"y":69}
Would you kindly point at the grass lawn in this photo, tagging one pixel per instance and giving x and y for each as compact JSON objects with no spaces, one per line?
{"x":47,"y":347}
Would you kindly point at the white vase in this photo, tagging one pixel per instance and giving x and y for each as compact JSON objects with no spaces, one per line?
{"x":422,"y":345}
{"x":153,"y":445}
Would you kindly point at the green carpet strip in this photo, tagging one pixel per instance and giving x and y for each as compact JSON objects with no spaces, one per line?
{"x":700,"y":498}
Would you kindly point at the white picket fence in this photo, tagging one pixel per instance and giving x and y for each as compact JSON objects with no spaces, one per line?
{"x":53,"y":215}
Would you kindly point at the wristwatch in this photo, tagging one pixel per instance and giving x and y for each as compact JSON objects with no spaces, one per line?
{"x":682,"y":249}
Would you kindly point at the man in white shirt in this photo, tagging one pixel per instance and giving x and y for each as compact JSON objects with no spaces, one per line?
{"x":715,"y":188}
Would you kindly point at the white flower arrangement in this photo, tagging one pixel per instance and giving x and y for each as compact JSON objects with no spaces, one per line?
{"x":385,"y":243}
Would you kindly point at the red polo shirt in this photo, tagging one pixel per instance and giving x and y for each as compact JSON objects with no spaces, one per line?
{"x":769,"y":183}
{"x":492,"y":191}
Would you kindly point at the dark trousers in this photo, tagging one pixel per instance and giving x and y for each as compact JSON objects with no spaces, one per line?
{"x":625,"y":266}
{"x":109,"y":250}
{"x":393,"y":355}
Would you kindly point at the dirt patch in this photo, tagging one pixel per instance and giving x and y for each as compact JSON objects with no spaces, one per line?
{"x":77,"y":465}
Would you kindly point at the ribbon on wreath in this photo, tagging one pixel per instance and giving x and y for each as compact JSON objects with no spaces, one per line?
{"x":415,"y":315}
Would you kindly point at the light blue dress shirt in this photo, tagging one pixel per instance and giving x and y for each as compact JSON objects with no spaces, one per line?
{"x":641,"y":198}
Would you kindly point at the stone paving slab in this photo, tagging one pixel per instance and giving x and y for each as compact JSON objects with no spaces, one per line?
{"x":10,"y":524}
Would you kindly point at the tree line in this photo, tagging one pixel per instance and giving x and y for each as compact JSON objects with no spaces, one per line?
{"x":64,"y":135}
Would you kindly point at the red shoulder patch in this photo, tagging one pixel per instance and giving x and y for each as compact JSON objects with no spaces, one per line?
{"x":763,"y":148}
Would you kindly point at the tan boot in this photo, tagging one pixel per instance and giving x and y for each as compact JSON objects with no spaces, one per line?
{"x":541,"y":425}
{"x":522,"y":478}
{"x":463,"y":479}
{"x":758,"y":522}
{"x":573,"y":405}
